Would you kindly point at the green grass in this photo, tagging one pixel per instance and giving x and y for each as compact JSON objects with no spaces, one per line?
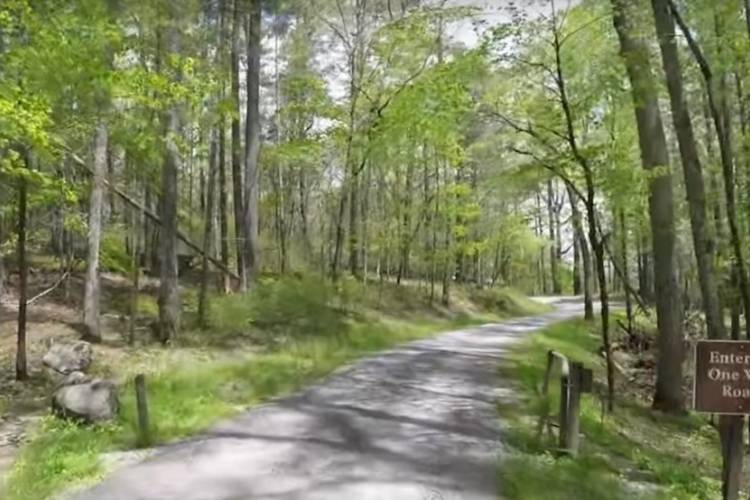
{"x":322,"y":329}
{"x":677,"y":457}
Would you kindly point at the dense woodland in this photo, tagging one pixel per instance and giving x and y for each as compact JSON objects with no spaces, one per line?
{"x":601,"y":149}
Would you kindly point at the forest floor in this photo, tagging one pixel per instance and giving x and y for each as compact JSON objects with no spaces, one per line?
{"x":290,"y":333}
{"x":632,"y":453}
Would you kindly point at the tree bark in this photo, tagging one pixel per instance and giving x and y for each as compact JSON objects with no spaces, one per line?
{"x":207,"y":219}
{"x":169,"y":297}
{"x":169,"y":293}
{"x":252,"y":150}
{"x":719,"y":109}
{"x":22,"y":372}
{"x":3,"y":275}
{"x":237,"y":192}
{"x":655,"y":159}
{"x":625,"y":271}
{"x":91,"y":295}
{"x":553,"y":254}
{"x":585,"y":255}
{"x":704,"y":247}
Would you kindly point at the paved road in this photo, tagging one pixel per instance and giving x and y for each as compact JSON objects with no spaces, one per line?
{"x":415,"y":423}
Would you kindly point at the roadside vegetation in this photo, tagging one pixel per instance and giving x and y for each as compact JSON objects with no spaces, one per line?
{"x":289,"y":333}
{"x":632,"y":453}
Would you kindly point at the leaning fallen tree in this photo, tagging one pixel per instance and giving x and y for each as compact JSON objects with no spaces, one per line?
{"x":155,"y":218}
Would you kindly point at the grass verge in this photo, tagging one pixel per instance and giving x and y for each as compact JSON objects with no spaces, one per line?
{"x":633,"y":453}
{"x":320,"y":329}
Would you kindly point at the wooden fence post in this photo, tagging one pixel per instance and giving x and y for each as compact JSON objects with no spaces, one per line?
{"x":564,"y":409}
{"x":144,"y":434}
{"x":574,"y":407}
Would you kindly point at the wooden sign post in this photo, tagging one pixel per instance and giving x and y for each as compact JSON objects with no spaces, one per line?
{"x":722,"y":386}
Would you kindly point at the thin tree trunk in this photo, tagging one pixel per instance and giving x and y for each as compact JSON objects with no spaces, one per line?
{"x":597,"y":245}
{"x":354,"y":224}
{"x":540,"y":232}
{"x":208,"y":218}
{"x":23,"y":273}
{"x":304,"y":224}
{"x":223,"y":216}
{"x":583,"y":247}
{"x":237,"y":194}
{"x":625,"y":271}
{"x":92,"y":285}
{"x":3,"y":275}
{"x":223,"y":202}
{"x":553,"y":253}
{"x":135,"y":277}
{"x":406,"y":229}
{"x":577,"y":281}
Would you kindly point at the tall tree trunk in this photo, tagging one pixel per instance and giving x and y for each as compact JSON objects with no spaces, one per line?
{"x":539,"y":228}
{"x":223,"y":216}
{"x":583,"y":247}
{"x":223,"y":202}
{"x":553,"y":263}
{"x":91,"y":294}
{"x":304,"y":224}
{"x":645,"y":269}
{"x":719,"y":109}
{"x":653,"y":145}
{"x":597,"y":244}
{"x":169,"y":293}
{"x":3,"y":275}
{"x":252,"y":140}
{"x":406,"y":229}
{"x":207,"y":220}
{"x":577,"y":281}
{"x":626,"y":271}
{"x":703,"y":245}
{"x":22,"y":372}
{"x":237,"y":192}
{"x":354,"y":224}
{"x":169,"y":297}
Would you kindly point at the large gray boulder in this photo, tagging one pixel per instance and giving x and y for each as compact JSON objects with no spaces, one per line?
{"x":92,"y":401}
{"x":74,"y":378}
{"x":68,"y":357}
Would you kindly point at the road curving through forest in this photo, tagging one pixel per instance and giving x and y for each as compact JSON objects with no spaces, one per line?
{"x":418,"y":422}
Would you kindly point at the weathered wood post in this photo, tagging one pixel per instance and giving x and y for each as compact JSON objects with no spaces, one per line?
{"x":574,"y":407}
{"x":144,"y":434}
{"x":564,"y":409}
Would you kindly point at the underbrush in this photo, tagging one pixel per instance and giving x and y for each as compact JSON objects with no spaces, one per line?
{"x":631,"y":453}
{"x":305,"y":329}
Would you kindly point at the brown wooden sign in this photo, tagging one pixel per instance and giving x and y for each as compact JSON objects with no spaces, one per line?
{"x":722,"y":377}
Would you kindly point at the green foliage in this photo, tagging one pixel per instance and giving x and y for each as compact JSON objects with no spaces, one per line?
{"x":114,"y":256}
{"x":506,"y":301}
{"x":532,"y":477}
{"x":62,"y":453}
{"x":677,"y":455}
{"x":184,"y":399}
{"x":293,"y":306}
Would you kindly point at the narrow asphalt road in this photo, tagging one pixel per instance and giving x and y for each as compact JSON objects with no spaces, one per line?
{"x":415,"y":423}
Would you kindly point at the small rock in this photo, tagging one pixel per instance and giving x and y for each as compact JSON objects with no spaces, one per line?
{"x":68,"y":357}
{"x":91,"y":402}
